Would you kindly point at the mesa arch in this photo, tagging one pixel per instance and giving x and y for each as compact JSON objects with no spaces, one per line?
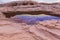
{"x":26,"y":7}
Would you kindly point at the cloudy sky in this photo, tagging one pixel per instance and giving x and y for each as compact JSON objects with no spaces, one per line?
{"x":48,"y":1}
{"x":5,"y":1}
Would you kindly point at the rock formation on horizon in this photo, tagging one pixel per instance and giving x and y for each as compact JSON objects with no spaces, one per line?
{"x":28,"y":7}
{"x":42,"y":30}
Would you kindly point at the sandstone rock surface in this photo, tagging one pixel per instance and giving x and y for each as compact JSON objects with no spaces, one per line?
{"x":16,"y":8}
{"x":2,"y":16}
{"x":42,"y":30}
{"x":45,"y":30}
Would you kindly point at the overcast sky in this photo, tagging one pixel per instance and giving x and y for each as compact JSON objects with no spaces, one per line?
{"x":48,"y":1}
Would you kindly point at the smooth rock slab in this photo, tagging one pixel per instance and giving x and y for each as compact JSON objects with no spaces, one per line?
{"x":44,"y":30}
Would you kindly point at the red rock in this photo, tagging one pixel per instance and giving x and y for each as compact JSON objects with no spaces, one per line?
{"x":16,"y":8}
{"x":43,"y":30}
{"x":21,"y":31}
{"x":2,"y":16}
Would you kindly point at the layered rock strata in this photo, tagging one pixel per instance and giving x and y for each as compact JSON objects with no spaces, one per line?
{"x":34,"y":8}
{"x":45,"y":30}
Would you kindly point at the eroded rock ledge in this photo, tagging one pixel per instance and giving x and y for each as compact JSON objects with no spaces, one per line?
{"x":17,"y":8}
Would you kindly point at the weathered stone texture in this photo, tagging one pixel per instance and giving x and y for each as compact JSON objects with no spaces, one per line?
{"x":45,"y":30}
{"x":15,"y":8}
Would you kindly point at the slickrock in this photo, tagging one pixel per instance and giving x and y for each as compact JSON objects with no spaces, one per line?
{"x":43,"y":30}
